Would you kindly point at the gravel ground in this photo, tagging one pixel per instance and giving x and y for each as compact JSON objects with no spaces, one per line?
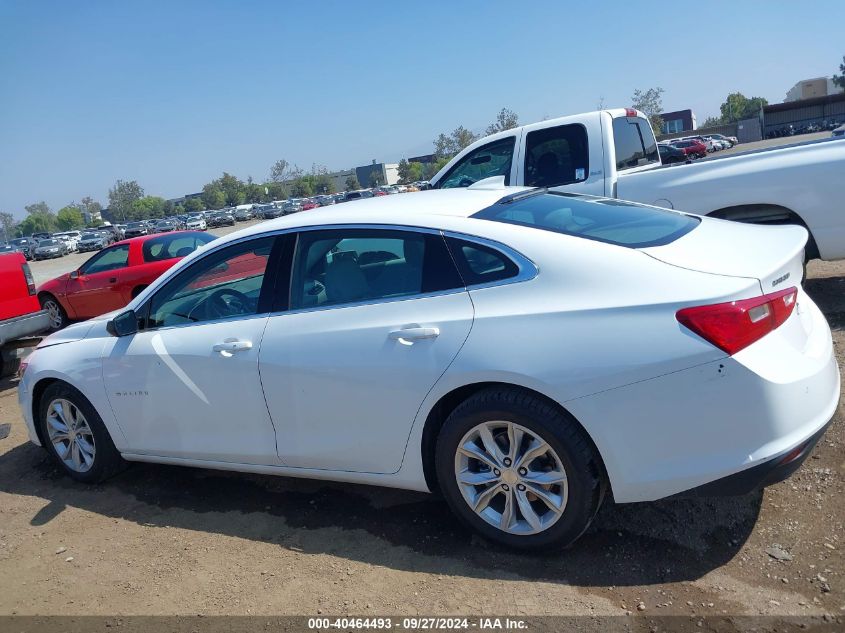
{"x":166,"y":540}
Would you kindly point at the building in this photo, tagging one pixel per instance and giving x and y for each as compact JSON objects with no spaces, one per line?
{"x":680,"y":121}
{"x":388,"y":173}
{"x":809,"y":88}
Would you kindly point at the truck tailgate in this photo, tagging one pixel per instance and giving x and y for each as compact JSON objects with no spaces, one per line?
{"x":774,"y":255}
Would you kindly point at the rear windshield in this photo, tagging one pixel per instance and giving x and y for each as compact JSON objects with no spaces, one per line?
{"x":601,"y":219}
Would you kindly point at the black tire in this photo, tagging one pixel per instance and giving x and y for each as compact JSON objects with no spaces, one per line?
{"x":10,"y":362}
{"x":58,"y":316}
{"x":107,"y":459}
{"x":558,"y":429}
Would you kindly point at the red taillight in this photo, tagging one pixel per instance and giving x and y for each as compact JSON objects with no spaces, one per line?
{"x":630,"y":112}
{"x":736,"y":325}
{"x":30,"y":282}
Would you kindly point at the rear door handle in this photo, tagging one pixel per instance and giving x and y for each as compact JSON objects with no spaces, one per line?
{"x":411,"y":334}
{"x":231,"y":345}
{"x":112,"y":280}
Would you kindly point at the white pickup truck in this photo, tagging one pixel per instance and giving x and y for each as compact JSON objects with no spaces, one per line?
{"x":613,"y":153}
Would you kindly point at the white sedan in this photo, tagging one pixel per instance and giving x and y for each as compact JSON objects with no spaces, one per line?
{"x":523,"y":352}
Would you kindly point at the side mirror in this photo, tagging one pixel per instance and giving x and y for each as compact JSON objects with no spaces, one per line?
{"x":74,"y":274}
{"x":123,"y":324}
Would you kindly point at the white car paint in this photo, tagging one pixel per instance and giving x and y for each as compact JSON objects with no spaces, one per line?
{"x":330,"y":393}
{"x":803,"y":179}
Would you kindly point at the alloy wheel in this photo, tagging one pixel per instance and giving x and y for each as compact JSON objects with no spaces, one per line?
{"x":55,"y":312}
{"x":70,"y":435}
{"x":511,"y":477}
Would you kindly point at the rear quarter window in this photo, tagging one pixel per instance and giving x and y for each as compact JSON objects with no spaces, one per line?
{"x":602,"y":219}
{"x":634,"y":143}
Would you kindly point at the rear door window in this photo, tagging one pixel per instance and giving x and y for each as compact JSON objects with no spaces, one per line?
{"x":556,"y":156}
{"x":493,"y":159}
{"x":634,"y":143}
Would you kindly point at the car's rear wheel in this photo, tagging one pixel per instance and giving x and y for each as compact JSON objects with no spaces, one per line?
{"x":75,"y":435}
{"x":58,"y":316}
{"x":518,"y":470}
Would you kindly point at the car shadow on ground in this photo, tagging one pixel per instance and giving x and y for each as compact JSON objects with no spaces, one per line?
{"x":829,"y":294}
{"x":637,"y":544}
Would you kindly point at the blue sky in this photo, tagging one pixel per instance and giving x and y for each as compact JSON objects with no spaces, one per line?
{"x":172,"y":93}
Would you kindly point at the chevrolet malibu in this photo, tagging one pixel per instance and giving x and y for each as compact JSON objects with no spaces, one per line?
{"x":523,"y":352}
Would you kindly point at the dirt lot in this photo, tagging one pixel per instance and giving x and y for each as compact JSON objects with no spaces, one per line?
{"x":165,"y":540}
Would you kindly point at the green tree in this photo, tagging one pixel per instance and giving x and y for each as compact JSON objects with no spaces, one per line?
{"x":376,"y":178}
{"x":447,"y":145}
{"x":70,"y":217}
{"x":712,"y":121}
{"x":192,"y":205}
{"x":737,"y":107}
{"x":505,"y":120}
{"x":433,"y":168}
{"x":7,"y":225}
{"x":147,"y":208}
{"x":253,"y":193}
{"x":121,"y":198}
{"x":301,"y":188}
{"x":90,"y":206}
{"x":38,"y":207}
{"x":213,"y":196}
{"x":352,"y":183}
{"x":650,"y":103}
{"x":37,"y":223}
{"x":276,"y":190}
{"x":321,"y":183}
{"x":839,"y":80}
{"x":178,"y":209}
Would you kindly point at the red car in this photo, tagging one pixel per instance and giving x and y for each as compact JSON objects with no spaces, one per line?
{"x":115,"y":275}
{"x":309,"y":204}
{"x":20,"y":315}
{"x":692,"y":148}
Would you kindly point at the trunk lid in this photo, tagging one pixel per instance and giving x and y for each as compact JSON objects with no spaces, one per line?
{"x":773,"y":255}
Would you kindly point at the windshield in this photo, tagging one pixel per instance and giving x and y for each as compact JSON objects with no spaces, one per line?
{"x":601,"y":219}
{"x":48,"y":243}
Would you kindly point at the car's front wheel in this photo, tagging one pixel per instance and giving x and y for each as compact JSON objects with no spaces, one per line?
{"x":58,"y":316}
{"x":518,"y":470}
{"x":75,"y":435}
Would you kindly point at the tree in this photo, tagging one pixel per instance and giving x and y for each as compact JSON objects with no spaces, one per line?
{"x":38,"y":207}
{"x":376,"y":178}
{"x":433,"y":168}
{"x":650,"y":103}
{"x":505,"y":120}
{"x":7,"y":225}
{"x":121,"y":197}
{"x":276,"y":190}
{"x":70,"y":217}
{"x":447,"y":145}
{"x":193,"y":205}
{"x":321,"y":183}
{"x":352,"y":183}
{"x":38,"y":222}
{"x":839,"y":80}
{"x":302,"y":188}
{"x":147,"y":208}
{"x":90,"y":206}
{"x":737,"y":107}
{"x":253,"y":193}
{"x":711,"y":121}
{"x":280,"y":171}
{"x":213,"y":196}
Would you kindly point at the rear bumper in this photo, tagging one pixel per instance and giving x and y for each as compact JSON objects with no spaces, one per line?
{"x":24,"y":326}
{"x":766,"y":474}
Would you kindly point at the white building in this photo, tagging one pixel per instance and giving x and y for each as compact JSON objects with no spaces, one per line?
{"x":809,"y":88}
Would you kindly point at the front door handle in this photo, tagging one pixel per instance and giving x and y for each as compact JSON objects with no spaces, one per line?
{"x":408,"y":335}
{"x":112,"y":280}
{"x":232,"y":345}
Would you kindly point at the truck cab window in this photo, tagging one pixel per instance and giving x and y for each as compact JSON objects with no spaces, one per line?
{"x":634,"y":143}
{"x":493,"y":159}
{"x":556,"y":156}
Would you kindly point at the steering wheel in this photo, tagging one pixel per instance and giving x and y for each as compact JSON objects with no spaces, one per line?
{"x":226,"y":302}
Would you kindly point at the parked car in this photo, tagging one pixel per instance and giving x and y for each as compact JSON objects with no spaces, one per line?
{"x":529,"y":353}
{"x":136,"y":229}
{"x":358,"y":194}
{"x":195,"y":223}
{"x":165,"y":226}
{"x":25,"y":245}
{"x":307,"y":205}
{"x":41,"y":236}
{"x":670,"y":154}
{"x":268,"y":212}
{"x":112,"y":277}
{"x":291,"y":206}
{"x":50,"y":249}
{"x":691,"y":148}
{"x":71,"y":238}
{"x":21,"y":317}
{"x":9,"y":248}
{"x":730,"y":140}
{"x":839,"y":131}
{"x":325,"y":200}
{"x":613,"y":153}
{"x":93,"y":241}
{"x":243,"y":214}
{"x":221,"y":218}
